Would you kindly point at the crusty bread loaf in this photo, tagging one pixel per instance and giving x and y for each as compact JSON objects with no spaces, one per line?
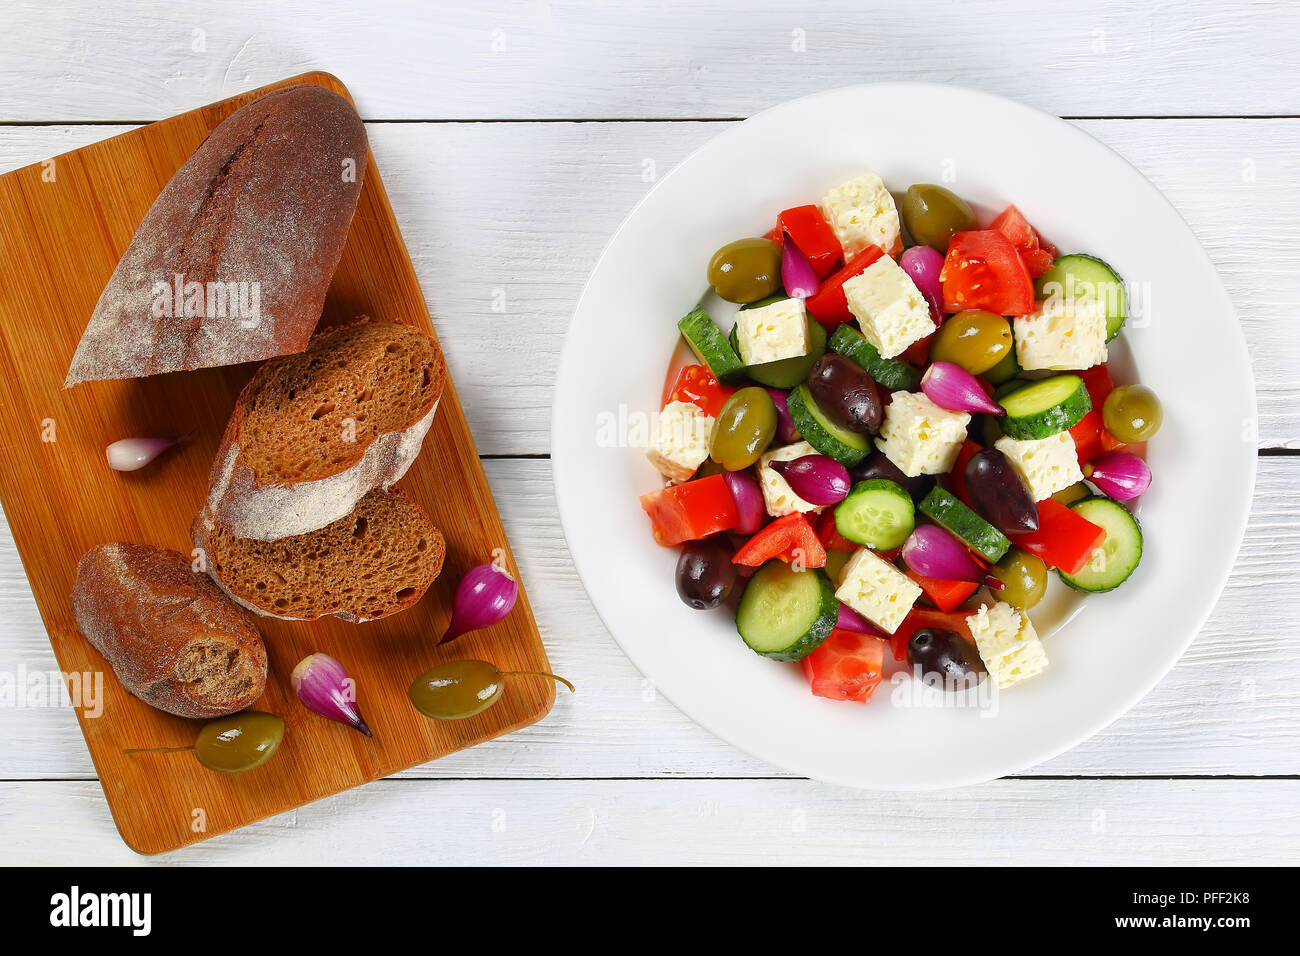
{"x":265,"y":203}
{"x":170,"y":635}
{"x":376,"y":561}
{"x":312,"y":433}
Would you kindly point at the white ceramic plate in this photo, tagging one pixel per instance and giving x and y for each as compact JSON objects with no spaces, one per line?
{"x":991,"y":151}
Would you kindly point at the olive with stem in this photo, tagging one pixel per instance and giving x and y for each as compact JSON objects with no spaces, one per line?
{"x":459,"y":689}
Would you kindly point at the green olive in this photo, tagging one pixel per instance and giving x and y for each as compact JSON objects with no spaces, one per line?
{"x":975,"y":339}
{"x":1025,"y":577}
{"x":934,"y":214}
{"x":1132,"y":413}
{"x":990,"y":430}
{"x":745,"y":428}
{"x":1075,"y":492}
{"x":457,"y":689}
{"x":746,"y":270}
{"x":239,"y":742}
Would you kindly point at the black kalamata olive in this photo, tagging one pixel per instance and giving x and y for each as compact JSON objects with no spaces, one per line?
{"x":997,"y":491}
{"x":846,"y":393}
{"x":944,"y":655}
{"x":705,"y":574}
{"x":876,"y":465}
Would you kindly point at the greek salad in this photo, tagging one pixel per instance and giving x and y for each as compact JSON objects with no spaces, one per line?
{"x":909,"y":423}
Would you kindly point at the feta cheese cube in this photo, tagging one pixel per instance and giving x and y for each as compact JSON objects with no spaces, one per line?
{"x":681,"y":440}
{"x":1061,"y":333}
{"x":778,"y":497}
{"x":889,"y":307}
{"x":877,"y":590}
{"x":861,"y":213}
{"x":1008,"y":644}
{"x":773,"y":332}
{"x":920,"y":437}
{"x":1046,"y":464}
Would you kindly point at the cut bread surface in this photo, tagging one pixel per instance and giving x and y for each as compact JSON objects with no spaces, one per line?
{"x":312,"y":433}
{"x":172,"y":637}
{"x":376,"y":561}
{"x":312,"y":415}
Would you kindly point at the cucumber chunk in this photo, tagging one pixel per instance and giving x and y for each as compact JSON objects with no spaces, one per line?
{"x":951,"y":513}
{"x":789,"y":372}
{"x":1120,"y":551}
{"x":877,"y":513}
{"x":785,"y":614}
{"x":709,"y":346}
{"x":846,"y":447}
{"x":891,"y":373}
{"x":1045,"y":408}
{"x":1087,"y":277}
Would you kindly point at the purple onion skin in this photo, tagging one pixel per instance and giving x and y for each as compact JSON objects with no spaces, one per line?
{"x":798,"y":276}
{"x":952,"y":387}
{"x":485,"y":595}
{"x":1120,"y":475}
{"x":748,"y":496}
{"x":923,"y":264}
{"x":817,"y":479}
{"x":936,"y":553}
{"x":878,"y":465}
{"x":851,"y":620}
{"x":785,"y":430}
{"x":324,"y":688}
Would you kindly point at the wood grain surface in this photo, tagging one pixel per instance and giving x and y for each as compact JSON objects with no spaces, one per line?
{"x":514,"y":137}
{"x":63,"y":226}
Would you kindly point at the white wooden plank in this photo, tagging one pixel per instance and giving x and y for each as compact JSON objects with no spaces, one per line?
{"x":501,"y":59}
{"x":1228,"y":707}
{"x":756,"y":822}
{"x":504,"y":222}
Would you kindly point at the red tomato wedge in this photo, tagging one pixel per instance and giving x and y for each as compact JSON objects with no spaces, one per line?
{"x":829,"y":534}
{"x":828,"y":306}
{"x":983,"y":271}
{"x":1064,"y":539}
{"x":920,"y":617}
{"x":785,"y":539}
{"x":1110,"y":443}
{"x":690,"y":511}
{"x":946,"y":595}
{"x":1035,"y":253}
{"x":918,"y":353}
{"x":846,"y":666}
{"x":697,"y":385}
{"x":682,"y":356}
{"x":814,"y":238}
{"x":1099,"y":384}
{"x":955,"y":480}
{"x":1087,"y":436}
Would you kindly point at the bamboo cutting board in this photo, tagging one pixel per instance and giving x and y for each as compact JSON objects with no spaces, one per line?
{"x":63,"y":226}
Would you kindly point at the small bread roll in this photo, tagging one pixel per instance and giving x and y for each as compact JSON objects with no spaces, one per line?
{"x":172,"y":638}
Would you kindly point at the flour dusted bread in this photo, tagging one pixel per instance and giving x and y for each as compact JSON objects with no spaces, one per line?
{"x":261,"y":209}
{"x":312,"y":433}
{"x":173,"y":639}
{"x":376,"y":561}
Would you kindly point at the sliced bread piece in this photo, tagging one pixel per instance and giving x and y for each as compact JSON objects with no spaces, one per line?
{"x":172,"y":638}
{"x":312,"y":433}
{"x":376,"y":561}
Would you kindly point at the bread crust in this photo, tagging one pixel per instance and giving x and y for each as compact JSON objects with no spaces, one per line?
{"x":264,"y":511}
{"x":163,"y":627}
{"x":266,"y":201}
{"x":203,"y":532}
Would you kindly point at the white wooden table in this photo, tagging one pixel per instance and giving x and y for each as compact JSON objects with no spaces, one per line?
{"x":513,"y":138}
